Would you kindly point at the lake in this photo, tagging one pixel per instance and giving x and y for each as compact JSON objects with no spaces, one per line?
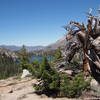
{"x":39,"y":58}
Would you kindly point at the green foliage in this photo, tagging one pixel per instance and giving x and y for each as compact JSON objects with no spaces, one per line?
{"x":8,"y":66}
{"x":55,"y":84}
{"x":46,"y":66}
{"x":58,"y":55}
{"x":60,"y":84}
{"x":48,"y":78}
{"x":35,"y":69}
{"x":75,"y":87}
{"x":73,"y":66}
{"x":52,"y":82}
{"x":24,"y":58}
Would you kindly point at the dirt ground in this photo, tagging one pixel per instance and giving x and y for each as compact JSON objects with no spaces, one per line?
{"x":21,"y":89}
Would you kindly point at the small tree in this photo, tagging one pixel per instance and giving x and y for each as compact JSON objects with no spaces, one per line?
{"x":74,"y":87}
{"x":48,"y":77}
{"x":58,"y":54}
{"x":35,"y":69}
{"x":58,"y":84}
{"x":23,"y":58}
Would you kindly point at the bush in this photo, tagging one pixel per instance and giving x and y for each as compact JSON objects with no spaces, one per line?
{"x":49,"y":82}
{"x":52,"y":82}
{"x":58,"y":55}
{"x":75,"y":87}
{"x":62,"y":85}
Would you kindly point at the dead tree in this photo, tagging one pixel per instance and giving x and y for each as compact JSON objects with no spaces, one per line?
{"x":87,"y":36}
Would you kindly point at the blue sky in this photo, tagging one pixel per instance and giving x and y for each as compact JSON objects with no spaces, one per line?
{"x":39,"y":22}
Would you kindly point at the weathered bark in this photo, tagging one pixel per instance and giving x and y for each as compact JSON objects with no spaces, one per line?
{"x":88,"y":38}
{"x":71,"y":48}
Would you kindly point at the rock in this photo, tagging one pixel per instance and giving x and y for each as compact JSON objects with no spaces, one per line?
{"x":25,"y":73}
{"x":8,"y":53}
{"x":43,"y":96}
{"x":95,"y":86}
{"x":60,"y":64}
{"x":69,"y":72}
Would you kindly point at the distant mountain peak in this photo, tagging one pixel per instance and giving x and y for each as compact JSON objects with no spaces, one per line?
{"x":59,"y":43}
{"x":16,"y":48}
{"x":53,"y":46}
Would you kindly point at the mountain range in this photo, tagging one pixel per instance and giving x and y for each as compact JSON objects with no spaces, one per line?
{"x":16,"y":48}
{"x":53,"y":46}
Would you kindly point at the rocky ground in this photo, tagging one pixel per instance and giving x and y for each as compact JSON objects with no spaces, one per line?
{"x":21,"y":89}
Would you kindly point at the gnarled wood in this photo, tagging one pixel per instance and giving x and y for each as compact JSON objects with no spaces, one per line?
{"x":89,"y":38}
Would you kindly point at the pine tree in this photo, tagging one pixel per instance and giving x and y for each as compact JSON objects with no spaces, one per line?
{"x":24,"y":58}
{"x":49,"y":77}
{"x":58,"y":54}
